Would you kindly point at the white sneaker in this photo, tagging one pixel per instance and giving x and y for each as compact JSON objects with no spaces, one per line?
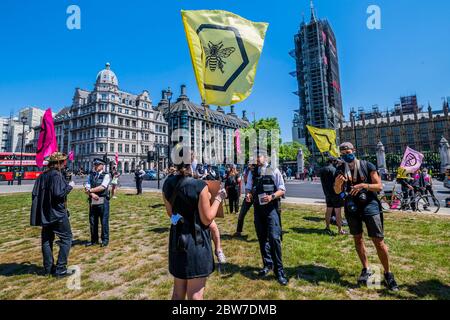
{"x":114,"y":197}
{"x":221,"y":257}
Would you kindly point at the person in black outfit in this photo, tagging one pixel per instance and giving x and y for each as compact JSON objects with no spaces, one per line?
{"x":187,"y":202}
{"x":358,"y":182}
{"x":265,"y":186}
{"x":49,"y":210}
{"x":334,"y":202}
{"x":245,"y":207}
{"x":139,"y":177}
{"x":232,"y":186}
{"x":97,"y":188}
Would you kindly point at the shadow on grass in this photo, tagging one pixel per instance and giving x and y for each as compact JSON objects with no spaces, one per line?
{"x":311,"y":273}
{"x":159,"y":230}
{"x":79,"y":242}
{"x":433,"y":287}
{"x":156,"y":206}
{"x":309,"y":230}
{"x":15,"y":269}
{"x":315,"y":274}
{"x":313,"y":219}
{"x":239,"y":238}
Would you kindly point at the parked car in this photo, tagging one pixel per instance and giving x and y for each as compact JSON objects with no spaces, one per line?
{"x":153,"y":175}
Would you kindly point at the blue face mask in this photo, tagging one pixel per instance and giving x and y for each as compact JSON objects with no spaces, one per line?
{"x":349,"y":158}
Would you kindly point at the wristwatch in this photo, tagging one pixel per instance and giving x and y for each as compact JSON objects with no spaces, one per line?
{"x":273,"y":196}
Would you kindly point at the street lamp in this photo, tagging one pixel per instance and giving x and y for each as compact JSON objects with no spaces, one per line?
{"x":169,"y":122}
{"x":24,"y":121}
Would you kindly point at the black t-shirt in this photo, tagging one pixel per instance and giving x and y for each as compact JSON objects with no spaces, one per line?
{"x":189,"y":190}
{"x":327,"y":177}
{"x":372,"y":205}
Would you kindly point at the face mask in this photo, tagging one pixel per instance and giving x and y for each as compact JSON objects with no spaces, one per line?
{"x":349,"y":158}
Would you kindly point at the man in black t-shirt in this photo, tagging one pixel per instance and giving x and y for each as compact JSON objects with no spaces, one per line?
{"x":358,"y":182}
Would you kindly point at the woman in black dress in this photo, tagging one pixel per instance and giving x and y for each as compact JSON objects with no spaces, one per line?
{"x":187,"y":203}
{"x":232,"y":186}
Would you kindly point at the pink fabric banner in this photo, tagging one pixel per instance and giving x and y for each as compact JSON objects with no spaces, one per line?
{"x":117,"y":158}
{"x":238,"y":141}
{"x":47,"y":138}
{"x":71,"y":155}
{"x":412,"y":160}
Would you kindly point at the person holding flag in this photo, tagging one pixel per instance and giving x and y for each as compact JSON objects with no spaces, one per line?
{"x":49,"y":210}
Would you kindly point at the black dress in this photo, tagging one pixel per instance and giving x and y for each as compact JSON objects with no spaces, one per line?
{"x":190,"y":250}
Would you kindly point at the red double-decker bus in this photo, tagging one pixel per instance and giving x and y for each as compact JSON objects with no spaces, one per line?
{"x":10,"y":165}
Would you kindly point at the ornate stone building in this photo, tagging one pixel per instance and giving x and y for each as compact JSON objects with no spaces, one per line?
{"x":107,"y":120}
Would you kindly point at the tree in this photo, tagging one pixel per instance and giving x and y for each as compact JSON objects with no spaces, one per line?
{"x":268,"y":124}
{"x":289,"y":151}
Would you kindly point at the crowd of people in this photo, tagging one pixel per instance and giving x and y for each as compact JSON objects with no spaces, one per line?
{"x":192,"y":207}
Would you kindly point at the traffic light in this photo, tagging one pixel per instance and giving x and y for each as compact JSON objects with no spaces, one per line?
{"x":150,"y":156}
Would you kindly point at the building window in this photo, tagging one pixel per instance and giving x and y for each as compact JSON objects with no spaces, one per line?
{"x":104,"y":97}
{"x":101,"y":147}
{"x":111,"y":147}
{"x":127,"y":111}
{"x":146,"y":137}
{"x":127,"y":148}
{"x":119,"y":147}
{"x":120,"y":121}
{"x":113,"y":133}
{"x":133,"y":148}
{"x":127,"y":135}
{"x":127,"y":122}
{"x":120,"y":134}
{"x":133,"y":136}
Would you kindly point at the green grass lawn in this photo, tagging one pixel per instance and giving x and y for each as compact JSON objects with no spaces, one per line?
{"x":134,"y":266}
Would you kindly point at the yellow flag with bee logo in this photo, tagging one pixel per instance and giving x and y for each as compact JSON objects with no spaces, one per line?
{"x":225,"y":50}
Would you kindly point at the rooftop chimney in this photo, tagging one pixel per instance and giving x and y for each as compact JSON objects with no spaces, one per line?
{"x":183,"y":95}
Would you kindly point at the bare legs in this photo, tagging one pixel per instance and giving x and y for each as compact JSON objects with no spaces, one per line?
{"x":191,"y":289}
{"x":215,"y":235}
{"x":382,"y":251}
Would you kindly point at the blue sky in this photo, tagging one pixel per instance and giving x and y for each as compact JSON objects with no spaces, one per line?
{"x":42,"y":62}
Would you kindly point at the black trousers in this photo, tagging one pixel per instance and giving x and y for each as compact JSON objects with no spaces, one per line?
{"x":268,"y":231}
{"x":245,"y":207}
{"x":61,"y":229}
{"x":234,"y":203}
{"x":139,"y":186}
{"x":96,"y":213}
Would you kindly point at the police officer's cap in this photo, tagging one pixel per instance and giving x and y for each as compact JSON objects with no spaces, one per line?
{"x":98,"y":161}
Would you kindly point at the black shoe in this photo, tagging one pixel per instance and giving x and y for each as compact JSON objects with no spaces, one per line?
{"x":90,"y":244}
{"x":364,"y":276}
{"x":104,"y":244}
{"x":329,"y":232}
{"x":264,"y":272}
{"x":64,"y":274}
{"x":390,"y":282}
{"x":52,"y":271}
{"x":282,"y":279}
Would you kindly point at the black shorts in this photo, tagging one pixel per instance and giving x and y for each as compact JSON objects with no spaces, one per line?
{"x":334,"y":202}
{"x":374,"y":222}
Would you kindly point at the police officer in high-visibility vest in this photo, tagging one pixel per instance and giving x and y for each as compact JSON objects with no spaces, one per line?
{"x":265,"y":187}
{"x":97,"y":187}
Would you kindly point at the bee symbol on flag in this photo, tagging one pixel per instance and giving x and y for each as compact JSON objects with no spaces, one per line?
{"x":215,"y":53}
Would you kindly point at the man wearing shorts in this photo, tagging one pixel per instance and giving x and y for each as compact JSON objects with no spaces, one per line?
{"x":358,"y":182}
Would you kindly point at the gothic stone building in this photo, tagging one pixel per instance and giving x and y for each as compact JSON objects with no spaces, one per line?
{"x":419,"y":130}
